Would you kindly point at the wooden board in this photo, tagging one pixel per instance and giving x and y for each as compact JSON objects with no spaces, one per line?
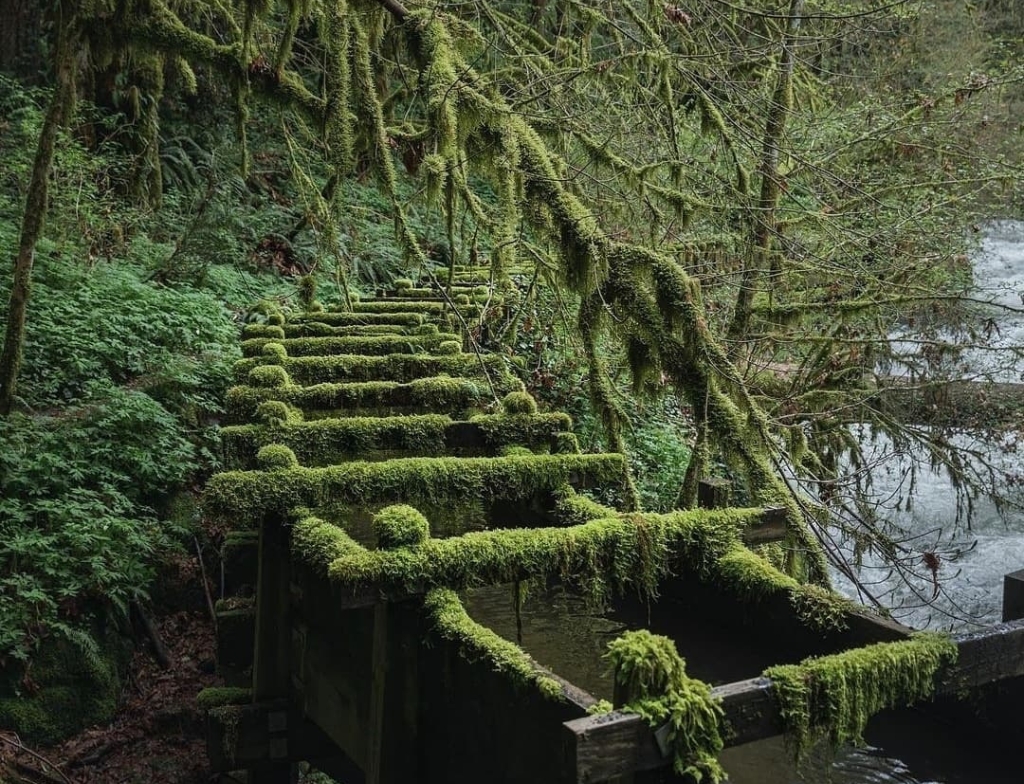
{"x":603,"y":747}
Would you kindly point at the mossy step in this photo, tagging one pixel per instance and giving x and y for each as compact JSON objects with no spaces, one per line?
{"x":327,"y":441}
{"x":368,"y":345}
{"x":350,"y":319}
{"x":310,"y":329}
{"x":246,"y":496}
{"x":391,"y":367}
{"x":443,"y":395}
{"x":413,"y":306}
{"x":430,"y":292}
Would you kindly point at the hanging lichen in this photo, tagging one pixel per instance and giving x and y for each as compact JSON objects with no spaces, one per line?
{"x":833,"y":697}
{"x":651,"y":676}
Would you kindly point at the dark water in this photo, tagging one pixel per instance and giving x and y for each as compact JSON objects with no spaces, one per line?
{"x":569,"y":637}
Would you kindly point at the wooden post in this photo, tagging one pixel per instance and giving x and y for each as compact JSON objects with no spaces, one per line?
{"x":270,"y":668}
{"x":713,"y":493}
{"x":1013,"y":596}
{"x":375,"y":734}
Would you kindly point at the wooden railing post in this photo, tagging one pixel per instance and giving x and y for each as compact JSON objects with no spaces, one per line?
{"x":270,"y":668}
{"x":1013,"y":596}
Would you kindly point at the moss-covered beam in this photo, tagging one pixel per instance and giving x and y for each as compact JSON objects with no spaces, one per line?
{"x":598,"y":558}
{"x":324,"y":441}
{"x":244,"y":497}
{"x":439,"y":394}
{"x":449,"y":620}
{"x":406,"y":319}
{"x":392,"y":367}
{"x":311,"y":329}
{"x":367,"y":345}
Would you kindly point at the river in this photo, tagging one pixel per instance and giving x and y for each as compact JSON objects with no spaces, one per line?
{"x":905,"y":747}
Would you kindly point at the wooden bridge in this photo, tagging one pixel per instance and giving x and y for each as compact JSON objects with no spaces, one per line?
{"x":341,"y":620}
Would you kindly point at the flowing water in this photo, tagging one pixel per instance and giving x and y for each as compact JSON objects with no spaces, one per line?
{"x":906,"y":747}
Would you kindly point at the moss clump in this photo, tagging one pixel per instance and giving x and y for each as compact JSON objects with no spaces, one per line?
{"x":833,"y":697}
{"x":401,"y":367}
{"x":450,"y":622}
{"x":448,"y":347}
{"x":566,"y":444}
{"x":216,"y":696}
{"x":653,"y":675}
{"x":318,"y":543}
{"x":275,"y":351}
{"x":276,"y":457}
{"x":462,"y":299}
{"x":346,"y":319}
{"x":515,"y":450}
{"x":400,"y":525}
{"x":276,"y":319}
{"x":269,"y":376}
{"x":374,"y":345}
{"x":402,"y":283}
{"x":427,"y":329}
{"x":277,"y":414}
{"x":247,"y":495}
{"x":519,"y":403}
{"x":263,"y":331}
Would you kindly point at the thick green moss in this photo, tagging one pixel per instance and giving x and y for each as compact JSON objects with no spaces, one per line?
{"x":448,"y":347}
{"x":263,"y":331}
{"x":317,"y":329}
{"x":371,"y":345}
{"x":653,"y":675}
{"x":833,"y":697}
{"x":272,"y":349}
{"x":392,"y":367}
{"x":78,"y":685}
{"x":356,"y":319}
{"x":402,"y":284}
{"x":269,"y":376}
{"x":216,"y":696}
{"x":519,"y":403}
{"x":277,"y":414}
{"x":598,"y":558}
{"x":247,"y":495}
{"x":410,"y":306}
{"x":450,"y":622}
{"x":318,"y":544}
{"x":400,"y":525}
{"x":324,"y":441}
{"x":439,"y":394}
{"x":276,"y":457}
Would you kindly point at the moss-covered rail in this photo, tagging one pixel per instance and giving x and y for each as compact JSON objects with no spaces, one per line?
{"x":380,"y":470}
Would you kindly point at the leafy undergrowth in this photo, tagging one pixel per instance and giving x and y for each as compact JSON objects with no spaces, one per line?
{"x":157,"y":735}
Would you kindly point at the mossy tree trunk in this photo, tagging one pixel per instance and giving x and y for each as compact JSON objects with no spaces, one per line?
{"x":36,"y":203}
{"x":758,"y":260}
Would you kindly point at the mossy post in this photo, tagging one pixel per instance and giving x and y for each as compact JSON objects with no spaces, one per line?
{"x":270,"y":669}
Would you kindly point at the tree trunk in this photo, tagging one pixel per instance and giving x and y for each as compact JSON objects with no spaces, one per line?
{"x":768,"y":201}
{"x":36,"y":202}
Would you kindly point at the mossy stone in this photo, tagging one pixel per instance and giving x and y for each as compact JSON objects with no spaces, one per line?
{"x":400,"y":525}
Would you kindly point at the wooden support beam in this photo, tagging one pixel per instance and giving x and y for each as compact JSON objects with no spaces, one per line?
{"x":1013,"y":596}
{"x":608,"y":746}
{"x":270,"y":674}
{"x":375,"y":734}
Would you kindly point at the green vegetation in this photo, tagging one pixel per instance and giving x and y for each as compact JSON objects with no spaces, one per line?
{"x":832,"y":697}
{"x":649,"y":669}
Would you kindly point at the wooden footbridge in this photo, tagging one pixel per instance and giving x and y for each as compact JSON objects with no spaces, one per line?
{"x":380,"y":469}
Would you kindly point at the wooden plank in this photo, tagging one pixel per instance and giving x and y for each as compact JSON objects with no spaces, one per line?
{"x":605,"y":747}
{"x":375,"y":734}
{"x":271,"y":678}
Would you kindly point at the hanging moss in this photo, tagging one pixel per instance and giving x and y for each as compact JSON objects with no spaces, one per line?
{"x":400,"y":525}
{"x":450,"y":622}
{"x":598,"y":558}
{"x":649,"y":669}
{"x":247,"y":495}
{"x":833,"y":697}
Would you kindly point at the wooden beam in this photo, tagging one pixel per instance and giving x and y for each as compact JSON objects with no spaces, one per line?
{"x":608,"y":746}
{"x":375,"y":730}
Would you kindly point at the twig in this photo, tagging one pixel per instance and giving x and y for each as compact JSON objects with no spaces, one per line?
{"x":160,"y":652}
{"x":206,"y":585}
{"x":12,"y":739}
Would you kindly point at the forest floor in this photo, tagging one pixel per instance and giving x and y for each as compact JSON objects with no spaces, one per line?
{"x":158,"y":735}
